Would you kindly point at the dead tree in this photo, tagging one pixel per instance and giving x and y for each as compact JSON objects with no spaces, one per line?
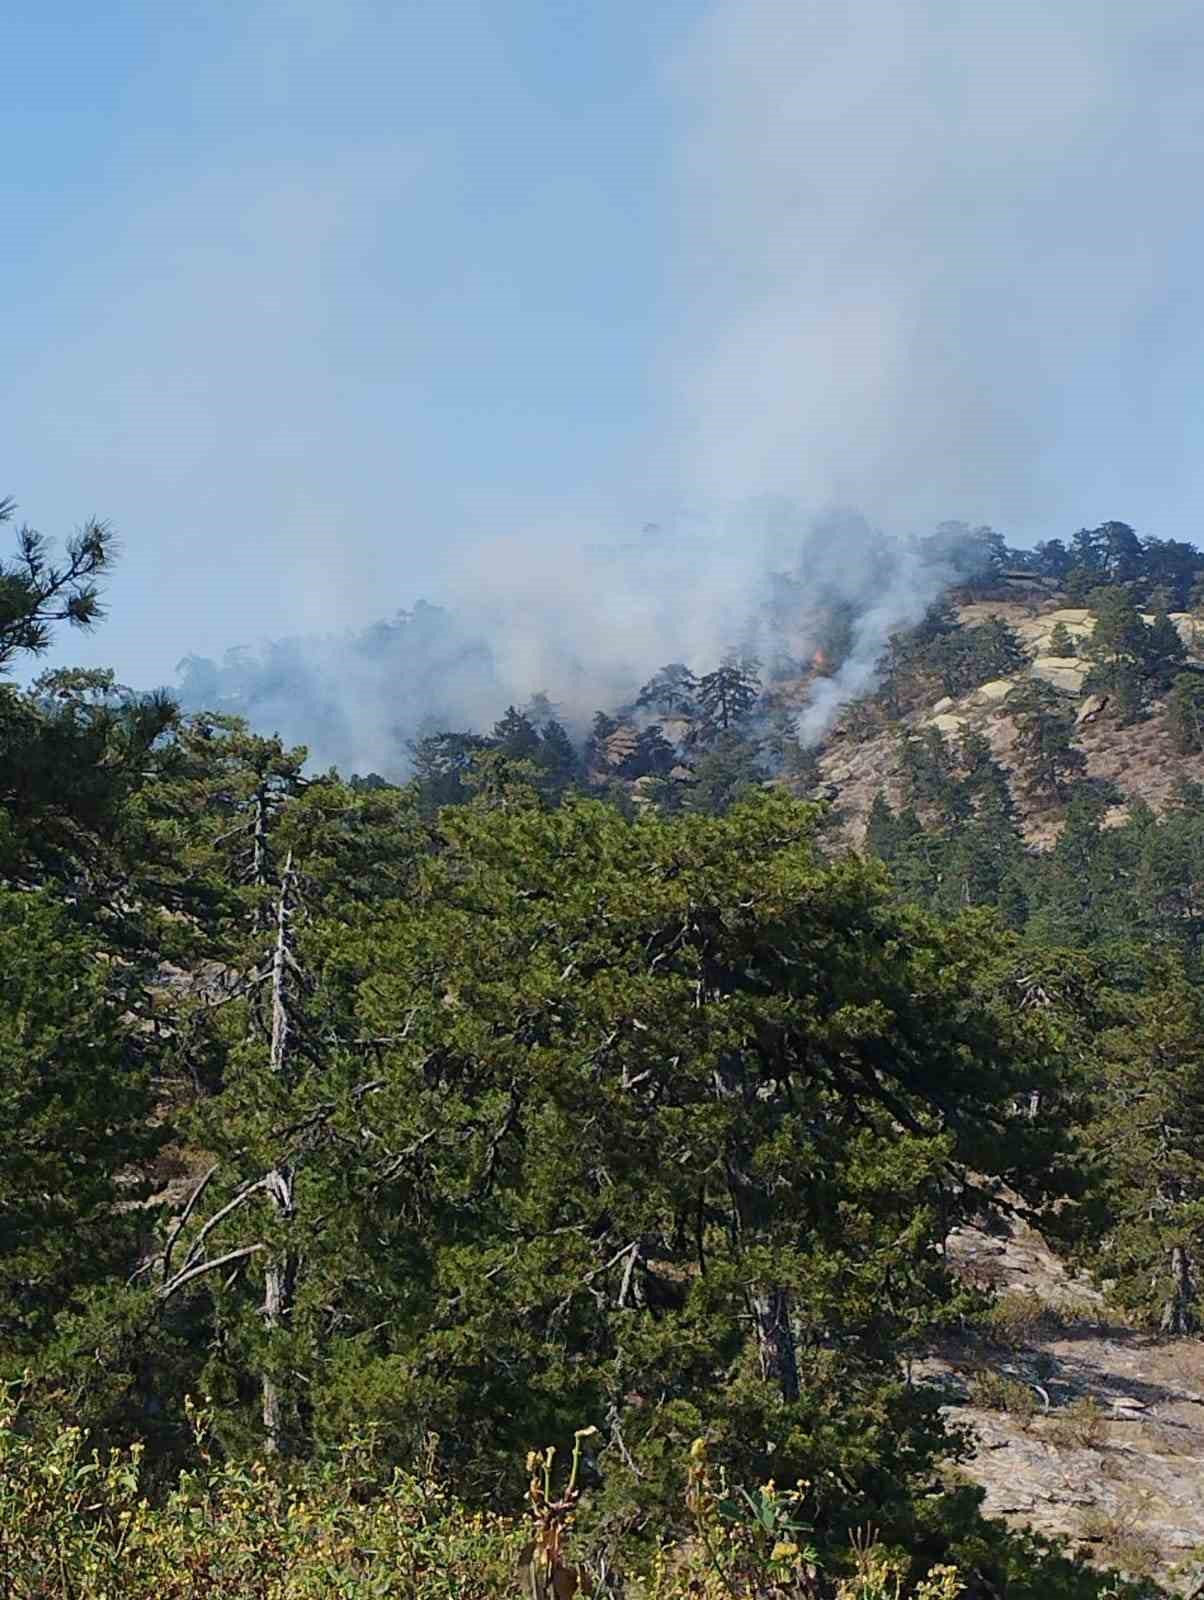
{"x":280,"y":1274}
{"x":284,"y":977}
{"x":1178,"y":1313}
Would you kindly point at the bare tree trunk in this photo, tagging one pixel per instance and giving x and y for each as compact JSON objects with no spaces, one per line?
{"x":1178,"y":1314}
{"x":279,"y":1279}
{"x":775,"y":1340}
{"x":261,"y":854}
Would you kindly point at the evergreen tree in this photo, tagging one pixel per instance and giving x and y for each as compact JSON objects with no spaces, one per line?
{"x":1185,"y":713}
{"x":1131,"y":659}
{"x":652,"y":756}
{"x":515,"y":736}
{"x":1123,"y":558}
{"x":600,"y":1110}
{"x":539,"y":709}
{"x":557,"y":758}
{"x":926,"y":764}
{"x":724,"y":774}
{"x":36,"y":592}
{"x":1044,"y":738}
{"x":990,"y":650}
{"x":76,"y":1097}
{"x":1052,"y":559}
{"x":881,"y":829}
{"x":441,"y":765}
{"x":1165,"y":652}
{"x":601,"y":730}
{"x":1146,"y":1136}
{"x":781,"y":744}
{"x":75,"y":751}
{"x":671,"y":693}
{"x":1168,"y":874}
{"x":726,"y":697}
{"x":1061,"y":641}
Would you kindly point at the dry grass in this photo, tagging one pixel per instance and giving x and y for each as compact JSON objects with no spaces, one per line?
{"x":1117,"y":1540}
{"x":1183,"y":1361}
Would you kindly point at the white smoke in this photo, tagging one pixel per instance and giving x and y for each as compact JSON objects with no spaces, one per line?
{"x":932,"y":260}
{"x":928,"y":260}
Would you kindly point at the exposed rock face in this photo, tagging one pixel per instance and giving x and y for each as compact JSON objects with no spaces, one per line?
{"x":992,"y":693}
{"x":1121,"y":1482}
{"x":1067,"y":675}
{"x":620,"y":745}
{"x":1090,"y":709}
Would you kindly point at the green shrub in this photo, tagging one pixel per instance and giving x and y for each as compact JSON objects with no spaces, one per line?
{"x":1082,"y":1425}
{"x":1019,"y":1318}
{"x":995,"y":1391}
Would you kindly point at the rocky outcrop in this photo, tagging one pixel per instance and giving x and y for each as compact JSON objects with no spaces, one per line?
{"x":1105,"y":1451}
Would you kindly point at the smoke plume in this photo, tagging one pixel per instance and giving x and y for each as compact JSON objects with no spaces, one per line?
{"x":931,"y":260}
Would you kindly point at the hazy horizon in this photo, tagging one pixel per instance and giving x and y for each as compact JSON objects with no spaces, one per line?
{"x":329,"y":306}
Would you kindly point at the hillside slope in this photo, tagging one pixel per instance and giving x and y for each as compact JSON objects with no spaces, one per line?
{"x":1140,"y":758}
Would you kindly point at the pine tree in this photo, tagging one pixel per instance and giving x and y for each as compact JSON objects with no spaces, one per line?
{"x":1165,"y":652}
{"x":601,"y":1108}
{"x":515,"y":736}
{"x":725,"y":773}
{"x":1044,"y":738}
{"x":881,"y":829}
{"x":441,"y":764}
{"x":601,"y":730}
{"x":1130,"y":662}
{"x":726,"y":697}
{"x":652,"y":757}
{"x":76,"y":1097}
{"x":36,"y":593}
{"x":1185,"y":713}
{"x":671,"y":693}
{"x":557,"y":759}
{"x":1146,"y":1136}
{"x":1061,"y":641}
{"x":926,"y":763}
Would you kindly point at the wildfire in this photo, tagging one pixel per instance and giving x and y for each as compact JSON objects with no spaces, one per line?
{"x":819,"y":660}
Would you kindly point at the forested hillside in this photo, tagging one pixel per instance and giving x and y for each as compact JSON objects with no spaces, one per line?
{"x":553,"y":1174}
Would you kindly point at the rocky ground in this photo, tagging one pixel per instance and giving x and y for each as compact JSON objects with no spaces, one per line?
{"x":1083,"y":1428}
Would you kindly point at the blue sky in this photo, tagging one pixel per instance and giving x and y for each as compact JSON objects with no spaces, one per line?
{"x":318,"y":299}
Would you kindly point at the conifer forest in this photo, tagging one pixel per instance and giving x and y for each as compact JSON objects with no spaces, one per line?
{"x":559,"y":1166}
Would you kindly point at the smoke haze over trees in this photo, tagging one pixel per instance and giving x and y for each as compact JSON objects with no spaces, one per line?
{"x":592,"y":631}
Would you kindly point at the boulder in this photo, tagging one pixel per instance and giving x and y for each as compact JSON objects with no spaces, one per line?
{"x":947,"y":723}
{"x":992,"y":693}
{"x":1065,"y":675}
{"x":1189,"y":628}
{"x":1090,"y":709}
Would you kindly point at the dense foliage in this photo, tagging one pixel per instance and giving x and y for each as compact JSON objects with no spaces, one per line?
{"x":566,"y":1091}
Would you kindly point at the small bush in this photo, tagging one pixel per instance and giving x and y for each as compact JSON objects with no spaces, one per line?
{"x":1018,"y":1318}
{"x":996,"y":1391}
{"x":1118,"y":1542}
{"x":1080,"y":1425}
